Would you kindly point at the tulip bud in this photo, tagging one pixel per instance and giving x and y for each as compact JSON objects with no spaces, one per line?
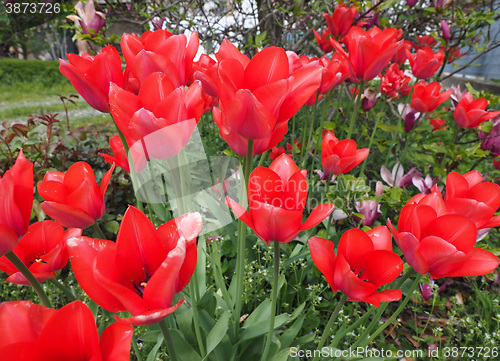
{"x":446,"y":30}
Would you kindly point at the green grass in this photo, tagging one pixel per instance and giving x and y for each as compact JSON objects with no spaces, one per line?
{"x":33,"y":87}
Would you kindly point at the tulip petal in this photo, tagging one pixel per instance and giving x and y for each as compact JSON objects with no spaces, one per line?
{"x":355,"y":246}
{"x":150,"y":317}
{"x":441,"y":256}
{"x":381,"y":238}
{"x":456,"y":229}
{"x":285,"y":167}
{"x":381,"y":267}
{"x":303,"y":84}
{"x":265,"y":186}
{"x":347,"y":282}
{"x":243,"y":215}
{"x":107,"y":274}
{"x":70,"y":334}
{"x":67,"y":216}
{"x":318,"y":214}
{"x":266,"y":67}
{"x":276,"y":224}
{"x":383,"y":296}
{"x":83,"y":252}
{"x":139,"y":250}
{"x":161,"y":287}
{"x":245,"y":115}
{"x":115,"y":342}
{"x":409,"y":245}
{"x":323,"y":255}
{"x":21,"y":322}
{"x":8,"y":239}
{"x":478,"y":262}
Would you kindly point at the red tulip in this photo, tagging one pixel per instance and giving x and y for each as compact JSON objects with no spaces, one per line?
{"x":427,"y":97}
{"x":395,"y":83}
{"x":364,"y":262}
{"x":160,"y":114}
{"x":119,"y":156}
{"x":468,"y":195}
{"x":259,"y":97}
{"x":276,"y":152}
{"x":31,"y":332}
{"x":369,"y":51}
{"x":277,"y":197}
{"x":74,"y":199}
{"x":496,"y":162}
{"x":425,"y":62}
{"x":425,"y":40}
{"x":438,"y":124}
{"x":339,"y":157}
{"x":400,"y":56}
{"x":335,"y":72}
{"x":160,"y":51}
{"x":324,"y":40}
{"x":141,"y":272}
{"x":91,"y":76}
{"x":43,"y":250}
{"x":439,"y":243}
{"x":341,"y":20}
{"x":16,"y":201}
{"x":470,"y":112}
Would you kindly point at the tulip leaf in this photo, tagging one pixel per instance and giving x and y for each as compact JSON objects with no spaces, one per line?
{"x":150,"y":336}
{"x":261,"y":313}
{"x":154,"y":351}
{"x":329,"y":125}
{"x":289,"y":335}
{"x":262,"y":327}
{"x":218,"y":332}
{"x":281,"y":356}
{"x":183,"y":349}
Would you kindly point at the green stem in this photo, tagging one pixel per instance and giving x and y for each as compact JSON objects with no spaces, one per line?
{"x":136,"y":349}
{"x":274,"y":299}
{"x":329,"y":325}
{"x":63,"y":288}
{"x":305,"y":148}
{"x":396,"y":313}
{"x":99,"y":231}
{"x":133,"y":174}
{"x":240,"y":256}
{"x":12,"y":257}
{"x":363,"y":166}
{"x":380,"y":311}
{"x":219,"y":279}
{"x":168,"y":339}
{"x":357,"y":105}
{"x":360,"y":320}
{"x":196,"y":318}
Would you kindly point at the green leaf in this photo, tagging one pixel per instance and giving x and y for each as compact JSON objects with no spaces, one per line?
{"x":112,"y":226}
{"x":261,"y":313}
{"x":150,"y":336}
{"x":183,"y":349}
{"x":388,"y":128}
{"x":262,"y":327}
{"x":154,"y":351}
{"x":289,"y":335}
{"x":328,"y":125}
{"x":281,"y":356}
{"x":218,"y":332}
